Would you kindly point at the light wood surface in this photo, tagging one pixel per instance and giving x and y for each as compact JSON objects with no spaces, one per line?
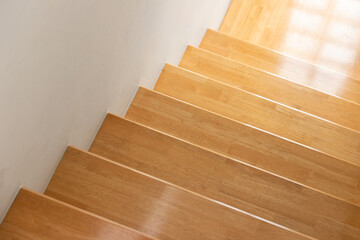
{"x":270,"y":116}
{"x":242,"y":142}
{"x":38,"y":217}
{"x":324,"y":32}
{"x":256,"y":81}
{"x":149,"y":205}
{"x":256,"y":136}
{"x":226,"y":180}
{"x":282,"y":65}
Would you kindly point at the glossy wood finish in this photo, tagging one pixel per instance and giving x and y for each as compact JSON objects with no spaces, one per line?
{"x":260,"y":112}
{"x":226,"y":180}
{"x":282,"y":65}
{"x":324,"y":32}
{"x":256,"y":81}
{"x":259,"y":145}
{"x":38,"y":217}
{"x":248,"y":144}
{"x":150,"y":205}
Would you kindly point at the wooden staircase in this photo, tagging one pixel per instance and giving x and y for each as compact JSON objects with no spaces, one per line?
{"x":240,"y":141}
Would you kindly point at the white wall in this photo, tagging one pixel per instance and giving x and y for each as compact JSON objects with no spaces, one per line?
{"x":65,"y":63}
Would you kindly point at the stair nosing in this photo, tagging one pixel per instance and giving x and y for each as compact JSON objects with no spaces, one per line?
{"x":264,"y":98}
{"x":273,"y":74}
{"x":253,"y":127}
{"x":224,"y":156}
{"x":282,"y":54}
{"x":102,"y":158}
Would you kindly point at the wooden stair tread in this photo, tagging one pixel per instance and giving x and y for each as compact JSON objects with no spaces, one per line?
{"x":150,"y":205}
{"x":321,"y":32}
{"x":251,"y":145}
{"x":282,"y":65}
{"x":240,"y":141}
{"x":259,"y":112}
{"x":270,"y":86}
{"x":226,"y":180}
{"x":35,"y":216}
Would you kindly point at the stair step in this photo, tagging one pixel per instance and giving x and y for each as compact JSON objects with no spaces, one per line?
{"x":237,"y":74}
{"x":259,"y":112}
{"x":226,"y":180}
{"x":35,"y":216}
{"x":150,"y":205}
{"x":248,"y":144}
{"x":282,"y":65}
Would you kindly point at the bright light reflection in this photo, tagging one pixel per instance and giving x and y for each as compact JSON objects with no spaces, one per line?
{"x":319,"y":5}
{"x":303,"y":20}
{"x":349,"y":9}
{"x":344,"y":33}
{"x":287,"y":69}
{"x":158,"y":218}
{"x":337,"y":54}
{"x":330,"y":38}
{"x":300,"y":45}
{"x":325,"y":85}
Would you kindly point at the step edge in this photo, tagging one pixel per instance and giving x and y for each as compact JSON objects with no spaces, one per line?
{"x":101,"y":158}
{"x":272,"y":74}
{"x":238,"y":161}
{"x":280,"y":53}
{"x":91,"y":214}
{"x":253,"y":127}
{"x":263,"y":98}
{"x":82,"y":211}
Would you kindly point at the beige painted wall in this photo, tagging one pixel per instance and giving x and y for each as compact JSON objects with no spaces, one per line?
{"x":65,"y":63}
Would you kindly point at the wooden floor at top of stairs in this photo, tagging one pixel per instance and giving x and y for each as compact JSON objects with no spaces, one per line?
{"x":260,"y":112}
{"x":282,"y":65}
{"x":256,"y":81}
{"x":245,"y":143}
{"x":325,"y":33}
{"x":37,"y":217}
{"x":227,"y":180}
{"x":152,"y":206}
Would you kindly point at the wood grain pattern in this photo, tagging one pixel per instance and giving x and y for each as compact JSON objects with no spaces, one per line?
{"x":259,"y":112}
{"x":282,"y":65}
{"x":38,"y":217}
{"x":242,"y":142}
{"x":321,"y":32}
{"x":256,"y":81}
{"x":152,"y":206}
{"x":227,"y":180}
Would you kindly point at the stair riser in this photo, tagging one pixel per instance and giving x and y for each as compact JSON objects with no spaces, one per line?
{"x":37,"y":217}
{"x":149,"y":205}
{"x":247,"y":144}
{"x":223,"y":179}
{"x":270,"y":116}
{"x":282,"y":65}
{"x":256,"y":81}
